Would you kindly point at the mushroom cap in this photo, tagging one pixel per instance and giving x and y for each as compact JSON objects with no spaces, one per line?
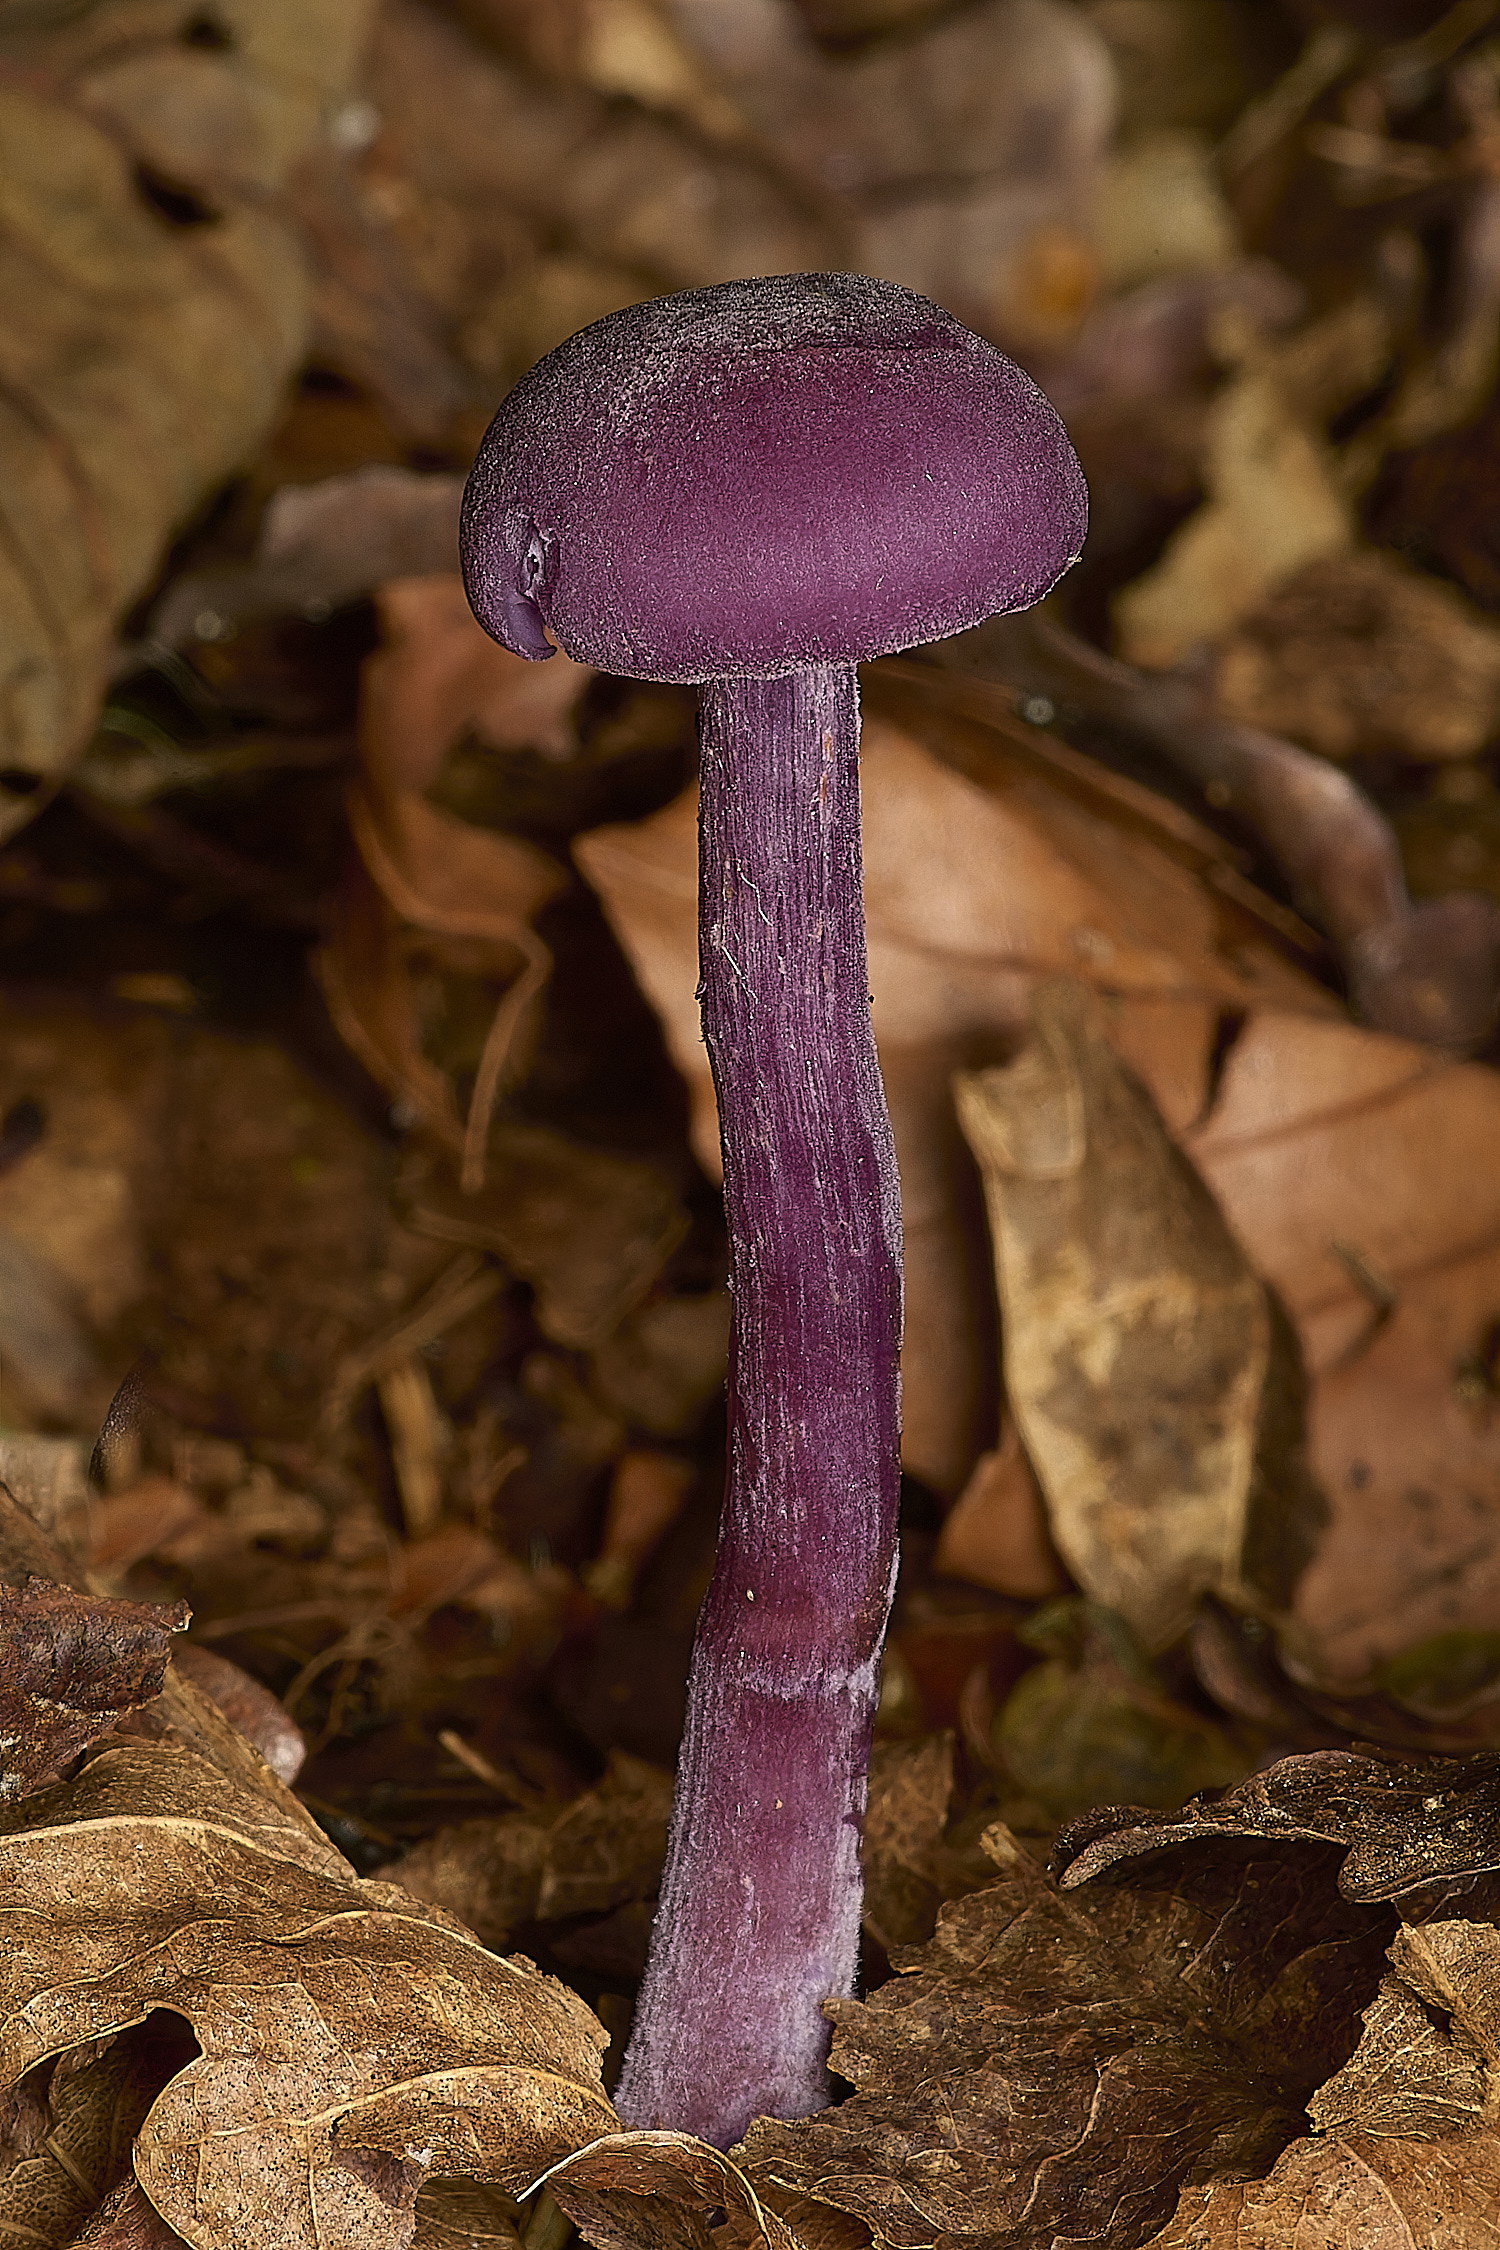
{"x":815,"y":468}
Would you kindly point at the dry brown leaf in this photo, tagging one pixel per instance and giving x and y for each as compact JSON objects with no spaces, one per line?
{"x":125,"y":2220}
{"x":1409,"y":2077}
{"x":321,"y":545}
{"x":71,"y":1664}
{"x":1355,"y":1170}
{"x":647,"y":1494}
{"x":609,"y":1846}
{"x":995,"y":1534}
{"x":1153,"y":1389}
{"x":484,"y":1872}
{"x":151,"y":353}
{"x":972,"y":893}
{"x":1096,"y":1720}
{"x":465,"y":2215}
{"x":386,"y":2042}
{"x":664,"y":2191}
{"x":1358,"y":652}
{"x":437,"y":879}
{"x":1050,"y":2069}
{"x":588,"y":1229}
{"x":1352,"y":2193}
{"x":603,"y":1851}
{"x":911,"y":1786}
{"x":96,"y":2103}
{"x":1275,"y":503}
{"x":250,"y":1708}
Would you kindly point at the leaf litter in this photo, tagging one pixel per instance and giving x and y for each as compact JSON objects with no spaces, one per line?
{"x":354,"y":1118}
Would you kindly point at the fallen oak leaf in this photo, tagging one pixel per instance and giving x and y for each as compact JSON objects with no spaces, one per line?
{"x":352,"y":2041}
{"x":1034,"y":2079}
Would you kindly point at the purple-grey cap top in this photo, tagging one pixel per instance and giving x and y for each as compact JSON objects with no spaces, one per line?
{"x":817,"y":468}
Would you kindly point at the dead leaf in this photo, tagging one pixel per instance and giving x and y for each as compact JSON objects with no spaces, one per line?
{"x":1274,"y":499}
{"x":911,"y":1786}
{"x":473,"y":135}
{"x":995,"y":1534}
{"x":1095,"y":1720}
{"x":321,"y":545}
{"x":1349,"y":1166}
{"x":590,"y":1230}
{"x":96,"y":2102}
{"x":73,"y":1663}
{"x":1410,"y":1831}
{"x":1358,"y":652}
{"x":465,"y":2215}
{"x":1138,"y":1342}
{"x":250,"y":1708}
{"x":663,"y":2191}
{"x":609,"y":1846}
{"x":1409,"y":2077}
{"x":486,"y":1873}
{"x":1326,"y":2195}
{"x":665,"y":1365}
{"x":1030,"y":2076}
{"x":984,"y":200}
{"x":647,"y":1494}
{"x":125,"y":2220}
{"x":439,"y":880}
{"x":386,"y":2041}
{"x":157,"y":335}
{"x":603,"y":1851}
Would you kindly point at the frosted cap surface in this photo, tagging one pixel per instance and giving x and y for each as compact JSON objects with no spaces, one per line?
{"x":816,"y":468}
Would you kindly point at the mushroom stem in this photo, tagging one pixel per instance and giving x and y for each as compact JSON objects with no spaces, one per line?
{"x":760,"y":1903}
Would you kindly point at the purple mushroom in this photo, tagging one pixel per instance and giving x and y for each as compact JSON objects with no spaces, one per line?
{"x":756,"y":486}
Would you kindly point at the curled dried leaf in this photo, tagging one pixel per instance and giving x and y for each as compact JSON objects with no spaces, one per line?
{"x":72,"y":1664}
{"x":386,"y":2042}
{"x":664,"y":2191}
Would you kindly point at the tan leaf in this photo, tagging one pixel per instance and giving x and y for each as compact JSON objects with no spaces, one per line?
{"x":1354,"y":1170}
{"x":96,"y":2104}
{"x":664,"y":2191}
{"x":1352,"y":2193}
{"x":1138,"y":1343}
{"x":1274,"y":500}
{"x":1359,"y":652}
{"x":151,"y":355}
{"x":609,"y":1846}
{"x":352,"y":2041}
{"x":911,"y":1784}
{"x":995,"y":1534}
{"x":1409,"y":2078}
{"x":485,"y":1872}
{"x":439,"y":878}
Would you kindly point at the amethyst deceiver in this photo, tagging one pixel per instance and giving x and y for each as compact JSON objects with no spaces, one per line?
{"x":756,"y":486}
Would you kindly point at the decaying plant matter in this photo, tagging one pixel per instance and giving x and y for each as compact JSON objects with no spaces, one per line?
{"x":360,"y":1150}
